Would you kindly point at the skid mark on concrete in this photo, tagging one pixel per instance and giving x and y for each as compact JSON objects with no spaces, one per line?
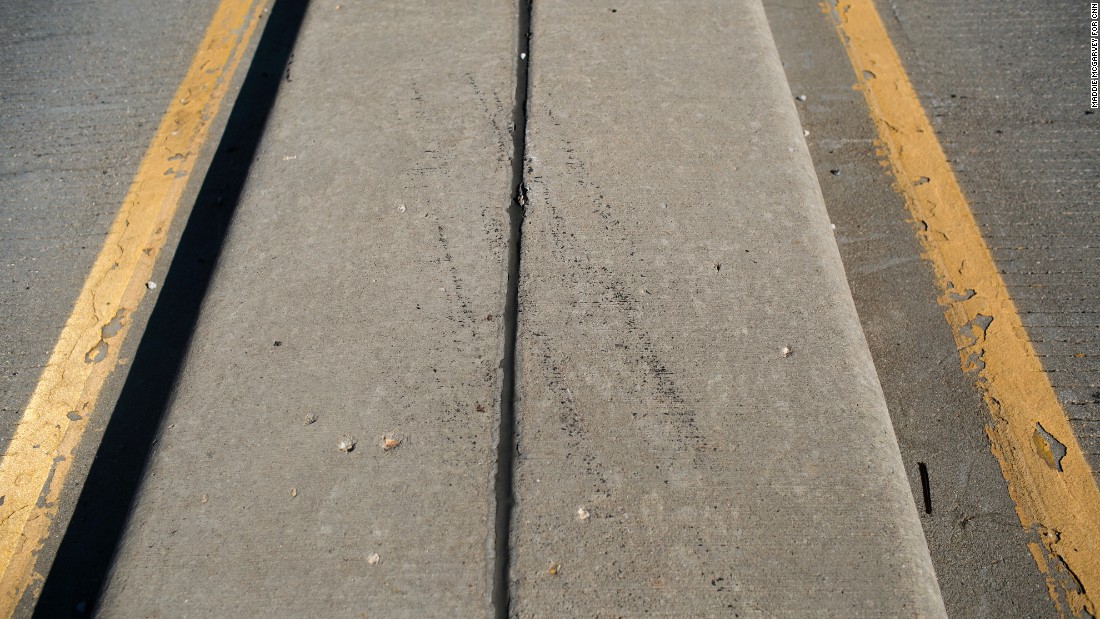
{"x":606,"y":297}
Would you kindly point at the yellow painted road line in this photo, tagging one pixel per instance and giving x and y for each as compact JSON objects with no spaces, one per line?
{"x":1057,"y":500}
{"x":33,"y":469}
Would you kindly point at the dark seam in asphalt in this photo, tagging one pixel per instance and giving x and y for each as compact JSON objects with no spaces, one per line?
{"x":505,"y":497}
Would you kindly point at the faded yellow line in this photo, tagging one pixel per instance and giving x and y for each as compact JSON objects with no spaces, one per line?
{"x":39,"y":456}
{"x":1057,"y":500}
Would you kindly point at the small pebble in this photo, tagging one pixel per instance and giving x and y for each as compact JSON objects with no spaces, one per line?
{"x":204,"y":498}
{"x":151,"y":285}
{"x":390,"y":442}
{"x":582,"y":514}
{"x":373,"y":559}
{"x":401,"y":209}
{"x":786,"y":351}
{"x":801,"y":97}
{"x":835,"y":172}
{"x":346,"y":444}
{"x":293,"y":492}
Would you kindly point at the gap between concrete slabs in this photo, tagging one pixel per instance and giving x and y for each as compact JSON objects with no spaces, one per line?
{"x":699,"y":426}
{"x":505,"y":499}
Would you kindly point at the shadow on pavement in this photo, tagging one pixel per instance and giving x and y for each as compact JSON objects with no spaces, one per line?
{"x":76,"y":579}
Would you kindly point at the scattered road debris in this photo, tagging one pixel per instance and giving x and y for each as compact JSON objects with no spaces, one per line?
{"x":390,"y":441}
{"x":346,"y":444}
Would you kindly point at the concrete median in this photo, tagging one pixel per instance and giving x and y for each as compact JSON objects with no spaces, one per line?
{"x":698,"y":426}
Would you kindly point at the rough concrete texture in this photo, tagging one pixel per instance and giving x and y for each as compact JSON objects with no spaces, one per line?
{"x":700,"y":430}
{"x":361,"y":283}
{"x":1015,"y":123}
{"x":82,"y":87}
{"x":977,"y":545}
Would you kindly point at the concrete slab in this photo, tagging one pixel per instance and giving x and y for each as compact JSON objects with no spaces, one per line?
{"x":700,"y":429}
{"x":359,"y":297}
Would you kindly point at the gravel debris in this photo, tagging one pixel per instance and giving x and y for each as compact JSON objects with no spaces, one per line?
{"x":390,"y":441}
{"x":346,"y":444}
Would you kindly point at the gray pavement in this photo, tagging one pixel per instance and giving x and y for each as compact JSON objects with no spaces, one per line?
{"x":978,"y":548}
{"x":672,"y":460}
{"x":359,"y":296}
{"x":83,"y":88}
{"x":699,"y":428}
{"x":83,"y":85}
{"x":1006,"y":88}
{"x":362,"y":282}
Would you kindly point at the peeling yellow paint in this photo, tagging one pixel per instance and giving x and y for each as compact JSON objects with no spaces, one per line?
{"x":1043,"y":449}
{"x":1060,"y":507}
{"x":39,"y":455}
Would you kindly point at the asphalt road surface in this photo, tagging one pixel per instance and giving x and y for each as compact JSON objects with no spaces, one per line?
{"x":84,"y":86}
{"x":1005,"y":86}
